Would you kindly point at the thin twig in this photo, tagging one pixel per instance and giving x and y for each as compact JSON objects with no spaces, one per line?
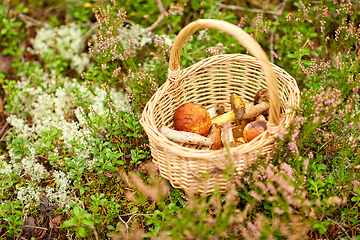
{"x":160,"y":18}
{"x":340,"y":227}
{"x":137,"y":214}
{"x":126,"y":223}
{"x":345,"y":123}
{"x":3,"y":128}
{"x":2,"y":138}
{"x":272,"y":46}
{"x":29,"y":21}
{"x":276,"y":14}
{"x":91,"y":29}
{"x":281,"y":7}
{"x":4,"y":233}
{"x":232,"y":7}
{"x":95,"y":232}
{"x":30,"y":226}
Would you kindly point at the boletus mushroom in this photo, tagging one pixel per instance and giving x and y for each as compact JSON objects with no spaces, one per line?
{"x":261,"y":104}
{"x":236,"y":114}
{"x":254,"y":129}
{"x":192,"y":117}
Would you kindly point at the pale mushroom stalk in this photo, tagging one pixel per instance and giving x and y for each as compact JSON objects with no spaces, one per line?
{"x":256,"y":110}
{"x":184,"y":137}
{"x":213,"y":142}
{"x":216,"y":110}
{"x":227,"y":136}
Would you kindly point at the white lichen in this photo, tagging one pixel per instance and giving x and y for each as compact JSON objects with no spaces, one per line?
{"x":64,"y":42}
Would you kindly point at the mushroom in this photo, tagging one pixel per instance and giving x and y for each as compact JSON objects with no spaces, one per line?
{"x":227,"y":135}
{"x":214,"y":141}
{"x":240,"y":111}
{"x":236,"y":114}
{"x":261,"y":104}
{"x":192,"y":117}
{"x":215,"y":134}
{"x":217,"y":110}
{"x":253,"y":129}
{"x":261,"y":95}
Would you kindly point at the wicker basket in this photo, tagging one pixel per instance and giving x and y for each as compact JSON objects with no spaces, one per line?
{"x":209,"y":82}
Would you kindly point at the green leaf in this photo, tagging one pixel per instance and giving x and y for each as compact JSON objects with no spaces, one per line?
{"x":81,"y":232}
{"x":307,"y":63}
{"x":119,"y":162}
{"x":306,"y":51}
{"x":313,"y":35}
{"x":110,"y":227}
{"x":26,"y":94}
{"x":76,"y":211}
{"x":71,"y":222}
{"x":354,"y":199}
{"x":87,"y":222}
{"x":291,"y":55}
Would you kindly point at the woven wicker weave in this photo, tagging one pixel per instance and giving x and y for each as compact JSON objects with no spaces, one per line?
{"x":210,"y":82}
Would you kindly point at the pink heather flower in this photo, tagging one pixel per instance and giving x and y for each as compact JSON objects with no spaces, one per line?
{"x":310,"y":155}
{"x":175,"y":9}
{"x":253,"y":229}
{"x":116,"y":72}
{"x":262,"y":186}
{"x":278,"y":211}
{"x":256,"y":196}
{"x":293,"y":147}
{"x":282,"y":133}
{"x":316,"y":119}
{"x":275,"y":55}
{"x":271,"y":188}
{"x":288,"y":17}
{"x":288,"y":170}
{"x":103,"y":66}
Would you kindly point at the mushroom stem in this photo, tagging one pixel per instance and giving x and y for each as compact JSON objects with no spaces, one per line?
{"x":216,"y":110}
{"x":184,"y":137}
{"x":224,"y":118}
{"x":250,"y":112}
{"x":227,"y":136}
{"x":256,"y":110}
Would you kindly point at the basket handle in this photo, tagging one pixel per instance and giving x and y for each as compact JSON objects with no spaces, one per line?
{"x":246,"y":41}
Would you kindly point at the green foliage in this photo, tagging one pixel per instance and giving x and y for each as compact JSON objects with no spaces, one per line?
{"x":11,"y":31}
{"x":77,"y":142}
{"x":80,"y":220}
{"x":10,"y":211}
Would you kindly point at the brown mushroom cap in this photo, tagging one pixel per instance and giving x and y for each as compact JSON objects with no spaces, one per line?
{"x":254,"y":129}
{"x":238,"y":107}
{"x":261,"y":95}
{"x":216,"y":142}
{"x":192,"y":117}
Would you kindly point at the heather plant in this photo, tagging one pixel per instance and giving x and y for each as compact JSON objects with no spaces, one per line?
{"x":74,"y":161}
